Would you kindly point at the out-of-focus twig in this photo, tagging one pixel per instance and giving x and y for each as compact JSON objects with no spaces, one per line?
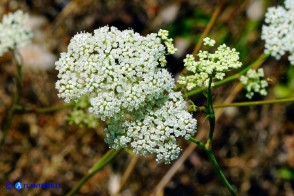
{"x":127,"y":173}
{"x":209,"y":26}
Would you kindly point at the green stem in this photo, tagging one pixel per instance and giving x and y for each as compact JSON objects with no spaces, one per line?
{"x":256,"y":63}
{"x":107,"y":158}
{"x":254,"y":103}
{"x":16,"y":97}
{"x":215,"y":164}
{"x":200,"y":144}
{"x":208,"y":145}
{"x":243,"y":104}
{"x":210,"y":114}
{"x":219,"y":171}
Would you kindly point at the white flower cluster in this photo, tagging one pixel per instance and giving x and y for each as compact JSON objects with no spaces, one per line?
{"x":278,"y":32}
{"x":254,"y":82}
{"x":117,"y":69}
{"x":119,"y":72}
{"x":209,"y":65}
{"x":13,"y":31}
{"x":155,"y":130}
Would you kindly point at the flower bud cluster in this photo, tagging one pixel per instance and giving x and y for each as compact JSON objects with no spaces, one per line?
{"x":120,"y":73}
{"x":278,"y":32}
{"x":80,"y":115}
{"x":254,"y":82}
{"x":13,"y":31}
{"x":209,"y":65}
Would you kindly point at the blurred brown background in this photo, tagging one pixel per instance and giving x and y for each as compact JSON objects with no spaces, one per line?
{"x":254,"y":145}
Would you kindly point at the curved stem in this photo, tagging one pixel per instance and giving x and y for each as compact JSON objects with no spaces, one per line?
{"x":16,"y":97}
{"x":255,"y":65}
{"x":107,"y":158}
{"x":219,"y":171}
{"x":215,"y":164}
{"x":208,"y":145}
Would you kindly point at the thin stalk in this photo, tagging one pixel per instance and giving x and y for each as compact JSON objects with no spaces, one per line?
{"x":210,"y":114}
{"x":244,"y":104}
{"x":16,"y":97}
{"x":107,"y":158}
{"x":254,"y":103}
{"x":127,"y":173}
{"x":219,"y":171}
{"x":200,"y":144}
{"x":215,"y":164}
{"x":255,"y":65}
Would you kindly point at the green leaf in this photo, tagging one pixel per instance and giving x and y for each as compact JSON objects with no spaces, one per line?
{"x":286,"y":173}
{"x":282,"y":91}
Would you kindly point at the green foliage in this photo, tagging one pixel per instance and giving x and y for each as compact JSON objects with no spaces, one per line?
{"x":286,"y":89}
{"x":286,"y":173}
{"x":186,"y":26}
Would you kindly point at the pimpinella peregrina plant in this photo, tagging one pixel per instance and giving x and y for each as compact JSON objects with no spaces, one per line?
{"x":120,"y":72}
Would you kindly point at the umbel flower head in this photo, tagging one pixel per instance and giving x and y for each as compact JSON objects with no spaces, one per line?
{"x":120,"y":72}
{"x":13,"y":31}
{"x":209,"y":65}
{"x":254,"y":82}
{"x":278,"y":32}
